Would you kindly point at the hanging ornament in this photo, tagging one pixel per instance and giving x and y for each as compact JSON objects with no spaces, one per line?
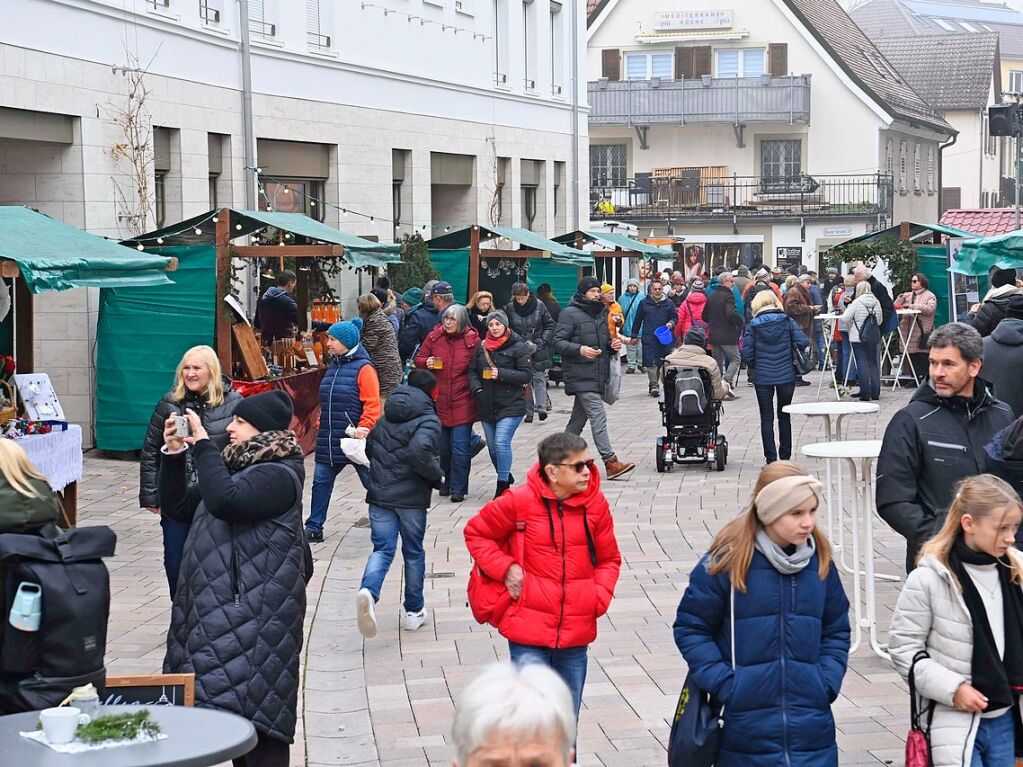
{"x":483,"y":263}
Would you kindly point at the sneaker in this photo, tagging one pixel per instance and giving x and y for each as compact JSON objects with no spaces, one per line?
{"x":542,"y":415}
{"x":529,"y":418}
{"x":414,"y":621}
{"x":655,"y":391}
{"x":366,"y":614}
{"x":314,"y":536}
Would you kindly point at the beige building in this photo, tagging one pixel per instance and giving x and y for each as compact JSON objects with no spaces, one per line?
{"x":765,"y":130}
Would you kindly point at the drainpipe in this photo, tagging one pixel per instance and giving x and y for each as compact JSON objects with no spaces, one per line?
{"x":980,"y":163}
{"x":941,"y":166}
{"x":249,"y":174}
{"x":575,"y":115}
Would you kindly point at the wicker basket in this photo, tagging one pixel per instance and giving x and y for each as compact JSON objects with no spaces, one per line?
{"x":9,"y":408}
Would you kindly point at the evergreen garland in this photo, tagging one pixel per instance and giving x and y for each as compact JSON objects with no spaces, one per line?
{"x":119,"y":727}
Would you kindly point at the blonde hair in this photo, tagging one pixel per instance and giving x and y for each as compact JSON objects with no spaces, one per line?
{"x":214,"y":394}
{"x":732,"y":549}
{"x":863,"y":288}
{"x":477,"y":296}
{"x":790,"y":280}
{"x":979,"y":496}
{"x":18,"y":469}
{"x":367,"y":304}
{"x":765,"y":299}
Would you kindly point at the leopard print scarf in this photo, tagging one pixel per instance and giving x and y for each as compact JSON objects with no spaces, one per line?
{"x":265,"y":446}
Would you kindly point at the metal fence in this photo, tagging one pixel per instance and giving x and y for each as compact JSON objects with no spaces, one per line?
{"x":733,"y":100}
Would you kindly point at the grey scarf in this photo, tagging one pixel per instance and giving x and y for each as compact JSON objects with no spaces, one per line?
{"x":786,"y":564}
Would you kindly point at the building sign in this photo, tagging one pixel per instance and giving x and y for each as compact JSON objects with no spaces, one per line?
{"x":789,"y":256}
{"x":671,"y":21}
{"x":838,"y":231}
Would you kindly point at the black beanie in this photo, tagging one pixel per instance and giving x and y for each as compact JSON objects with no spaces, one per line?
{"x":695,"y":337}
{"x":1002,"y":277}
{"x":269,"y":411}
{"x":588,"y":283}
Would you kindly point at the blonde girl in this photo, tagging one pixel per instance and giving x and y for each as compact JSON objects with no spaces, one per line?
{"x":26,"y":501}
{"x":958,"y":625}
{"x":770,"y":569}
{"x":199,"y":384}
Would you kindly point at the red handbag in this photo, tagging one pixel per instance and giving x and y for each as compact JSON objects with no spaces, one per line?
{"x":489,"y":597}
{"x":918,"y":743}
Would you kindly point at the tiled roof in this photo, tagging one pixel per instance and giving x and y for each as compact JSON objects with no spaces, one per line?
{"x":984,"y":222}
{"x":947,"y":71}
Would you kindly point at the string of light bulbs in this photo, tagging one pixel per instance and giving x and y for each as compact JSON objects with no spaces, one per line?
{"x":194,"y":226}
{"x":444,"y":26}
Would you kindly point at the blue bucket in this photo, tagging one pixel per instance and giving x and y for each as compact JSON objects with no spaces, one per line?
{"x":664,"y":335}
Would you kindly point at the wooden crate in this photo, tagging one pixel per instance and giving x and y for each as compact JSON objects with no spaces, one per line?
{"x":253,"y":364}
{"x":694,"y":186}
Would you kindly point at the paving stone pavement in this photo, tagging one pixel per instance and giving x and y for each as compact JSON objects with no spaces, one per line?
{"x":387,"y":702}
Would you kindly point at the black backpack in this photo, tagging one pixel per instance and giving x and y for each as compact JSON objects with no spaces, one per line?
{"x":870,"y":331}
{"x":38,"y":669}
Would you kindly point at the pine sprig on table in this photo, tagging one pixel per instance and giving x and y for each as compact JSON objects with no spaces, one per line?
{"x":119,"y":727}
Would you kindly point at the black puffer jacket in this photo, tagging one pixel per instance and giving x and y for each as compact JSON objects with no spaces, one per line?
{"x":1004,"y":459}
{"x":402,"y":451}
{"x":1003,"y":362}
{"x":214,"y":420}
{"x":991,"y":312}
{"x":535,"y":324}
{"x":583,"y":323}
{"x":501,"y":397}
{"x":238,"y":611}
{"x":929,"y":445}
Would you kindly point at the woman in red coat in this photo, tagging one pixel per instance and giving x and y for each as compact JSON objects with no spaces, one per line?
{"x":448,"y":352}
{"x":547,"y":561}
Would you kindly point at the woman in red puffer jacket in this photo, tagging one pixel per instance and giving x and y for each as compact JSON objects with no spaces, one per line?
{"x":448,"y":352}
{"x":690,"y":312}
{"x":547,"y":561}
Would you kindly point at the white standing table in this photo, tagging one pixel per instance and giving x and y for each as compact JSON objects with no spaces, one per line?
{"x":860,"y":456}
{"x":914,"y":314}
{"x":828,"y":329}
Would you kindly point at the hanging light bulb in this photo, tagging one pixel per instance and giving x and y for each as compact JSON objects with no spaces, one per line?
{"x":198,"y":230}
{"x":312,"y":203}
{"x":287,"y":190}
{"x":371,"y":218}
{"x":216,"y":220}
{"x":447,"y":228}
{"x":159,"y":240}
{"x":238,"y":227}
{"x":139,"y":247}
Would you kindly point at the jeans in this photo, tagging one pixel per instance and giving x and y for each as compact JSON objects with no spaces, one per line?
{"x":589,"y":405}
{"x":848,"y":372}
{"x":323,"y":485}
{"x":538,"y":388}
{"x":568,"y":662}
{"x":634,"y":354}
{"x":818,"y":341}
{"x":499,"y":439}
{"x":869,"y":370}
{"x":765,"y":399}
{"x":455,"y":457}
{"x":731,"y":353}
{"x":385,"y":525}
{"x":995,"y":743}
{"x":174,"y":535}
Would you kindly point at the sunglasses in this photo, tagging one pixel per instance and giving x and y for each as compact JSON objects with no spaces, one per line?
{"x":914,"y":280}
{"x":578,"y":466}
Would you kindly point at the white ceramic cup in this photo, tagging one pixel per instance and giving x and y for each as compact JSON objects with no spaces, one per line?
{"x":61,"y":723}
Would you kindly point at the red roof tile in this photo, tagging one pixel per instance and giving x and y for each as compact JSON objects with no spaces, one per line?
{"x":984,"y":222}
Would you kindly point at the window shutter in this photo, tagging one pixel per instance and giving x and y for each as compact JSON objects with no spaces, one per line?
{"x":701,"y":61}
{"x":312,"y":17}
{"x":778,"y":59}
{"x":611,"y":64}
{"x":683,"y":63}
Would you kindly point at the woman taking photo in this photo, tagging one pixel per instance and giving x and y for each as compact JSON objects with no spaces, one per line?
{"x":237,"y":619}
{"x":857,"y":318}
{"x":767,"y":346}
{"x":764,"y":627}
{"x":958,"y":628}
{"x":918,"y":297}
{"x":448,"y":352}
{"x":480,"y":305}
{"x":200,"y":386}
{"x":380,"y":342}
{"x":500,"y":368}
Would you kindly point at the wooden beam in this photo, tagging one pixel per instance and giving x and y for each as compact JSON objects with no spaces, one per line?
{"x":24,"y":328}
{"x":287,"y":251}
{"x":222,"y":324}
{"x":474,"y":260}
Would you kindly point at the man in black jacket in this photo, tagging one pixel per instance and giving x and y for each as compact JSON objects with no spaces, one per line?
{"x":583,"y":339}
{"x":403,"y":471}
{"x":724,"y":324}
{"x":277,"y":310}
{"x":938,"y":438}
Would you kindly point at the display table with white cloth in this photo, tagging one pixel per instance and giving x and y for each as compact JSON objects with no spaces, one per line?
{"x":58,"y":456}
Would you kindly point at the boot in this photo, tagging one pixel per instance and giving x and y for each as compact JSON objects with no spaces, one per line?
{"x":501,"y":487}
{"x":511,"y":479}
{"x":615,"y":469}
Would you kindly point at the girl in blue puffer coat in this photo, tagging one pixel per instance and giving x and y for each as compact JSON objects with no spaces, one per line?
{"x":791,"y":627}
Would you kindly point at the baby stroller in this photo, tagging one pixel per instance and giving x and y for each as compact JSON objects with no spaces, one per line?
{"x":691,"y":419}
{"x":554,"y":373}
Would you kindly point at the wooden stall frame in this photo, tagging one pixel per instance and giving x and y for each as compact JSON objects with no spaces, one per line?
{"x":476,"y":253}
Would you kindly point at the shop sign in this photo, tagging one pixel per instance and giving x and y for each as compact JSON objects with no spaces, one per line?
{"x":838,"y":231}
{"x":671,"y":21}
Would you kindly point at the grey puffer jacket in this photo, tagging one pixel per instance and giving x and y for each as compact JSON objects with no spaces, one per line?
{"x":382,"y":346}
{"x":237,"y":617}
{"x":214,"y":420}
{"x":931,"y":615}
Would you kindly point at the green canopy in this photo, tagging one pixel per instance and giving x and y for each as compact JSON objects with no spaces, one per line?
{"x":560,"y":253}
{"x":617,"y":240}
{"x":55,"y":256}
{"x":915,"y":230}
{"x":978,"y":256}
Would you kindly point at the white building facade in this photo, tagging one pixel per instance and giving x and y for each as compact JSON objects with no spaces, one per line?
{"x":380,"y":118}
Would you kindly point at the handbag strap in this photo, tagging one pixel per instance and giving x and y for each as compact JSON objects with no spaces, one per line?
{"x":914,"y":707}
{"x":490,"y":361}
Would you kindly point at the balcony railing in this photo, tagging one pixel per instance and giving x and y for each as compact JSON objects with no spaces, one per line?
{"x":746,"y":197}
{"x":731,"y":100}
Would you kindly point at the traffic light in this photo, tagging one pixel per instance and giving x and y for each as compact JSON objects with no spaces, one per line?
{"x":1004,"y":120}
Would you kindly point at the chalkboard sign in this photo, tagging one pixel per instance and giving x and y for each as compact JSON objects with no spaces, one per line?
{"x":150,"y":690}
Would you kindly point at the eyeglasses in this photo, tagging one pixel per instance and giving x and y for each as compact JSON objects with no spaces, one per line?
{"x":578,"y":466}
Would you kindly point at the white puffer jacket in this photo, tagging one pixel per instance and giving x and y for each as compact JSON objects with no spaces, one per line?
{"x":931,"y":615}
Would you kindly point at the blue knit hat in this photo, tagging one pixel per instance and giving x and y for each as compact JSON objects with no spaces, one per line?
{"x":347,"y":332}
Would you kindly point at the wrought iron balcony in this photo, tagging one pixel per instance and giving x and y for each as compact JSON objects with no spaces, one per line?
{"x":725,"y":198}
{"x":730,"y":100}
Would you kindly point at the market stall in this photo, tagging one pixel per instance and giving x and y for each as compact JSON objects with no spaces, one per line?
{"x":40,"y":254}
{"x":492,"y":258}
{"x":142,"y":336}
{"x":611,"y":252}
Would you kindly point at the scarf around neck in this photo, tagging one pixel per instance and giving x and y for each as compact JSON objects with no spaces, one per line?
{"x":492,"y":344}
{"x":264,"y":447}
{"x":786,"y":564}
{"x":998,"y":678}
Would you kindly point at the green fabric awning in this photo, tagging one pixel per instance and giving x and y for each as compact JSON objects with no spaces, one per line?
{"x":52,"y":255}
{"x":915,"y":230}
{"x":560,"y":253}
{"x":978,"y":256}
{"x":617,"y":240}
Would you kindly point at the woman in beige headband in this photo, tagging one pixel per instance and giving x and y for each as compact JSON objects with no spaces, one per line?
{"x":764,"y":627}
